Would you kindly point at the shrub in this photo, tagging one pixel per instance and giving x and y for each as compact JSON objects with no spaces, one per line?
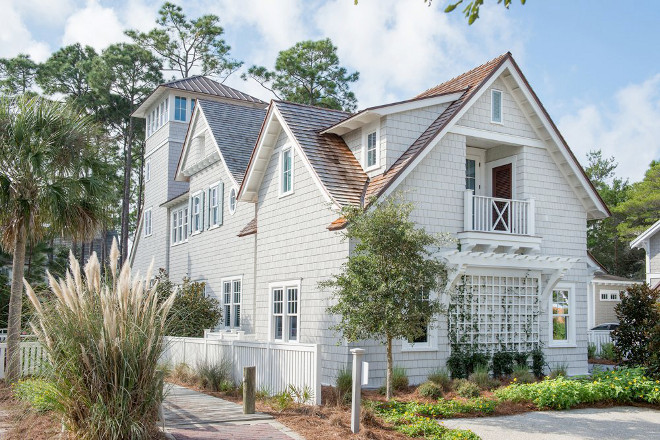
{"x":538,"y":362}
{"x":465,"y":388}
{"x":430,"y":389}
{"x":399,"y":378}
{"x":39,"y":393}
{"x":559,"y":370}
{"x":521,"y":358}
{"x":215,"y":376}
{"x":183,"y":373}
{"x":502,"y":363}
{"x":591,"y":350}
{"x":192,"y":311}
{"x":654,"y":348}
{"x":462,"y":361}
{"x":99,"y":331}
{"x":607,"y":351}
{"x":521,"y":374}
{"x":482,"y":378}
{"x":344,"y":384}
{"x":441,"y":378}
{"x":638,"y":316}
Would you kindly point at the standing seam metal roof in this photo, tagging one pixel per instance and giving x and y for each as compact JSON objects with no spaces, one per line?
{"x":202,"y":84}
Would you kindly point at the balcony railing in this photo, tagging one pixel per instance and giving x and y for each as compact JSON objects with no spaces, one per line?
{"x":492,"y":214}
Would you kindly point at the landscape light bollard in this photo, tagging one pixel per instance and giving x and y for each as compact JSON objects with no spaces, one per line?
{"x":357,"y":389}
{"x":249,"y":389}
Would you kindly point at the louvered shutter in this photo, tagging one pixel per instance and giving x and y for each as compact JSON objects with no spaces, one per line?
{"x":221,"y":202}
{"x":202,"y":209}
{"x":190,"y":216}
{"x":503,"y":182}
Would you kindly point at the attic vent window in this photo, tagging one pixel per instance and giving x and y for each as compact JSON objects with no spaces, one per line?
{"x":496,"y":106}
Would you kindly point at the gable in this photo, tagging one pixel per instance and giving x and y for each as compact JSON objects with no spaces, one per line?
{"x":199,"y":148}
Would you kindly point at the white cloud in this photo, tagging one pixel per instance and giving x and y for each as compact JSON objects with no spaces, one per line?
{"x":627,"y":128}
{"x":48,"y":13}
{"x":93,"y":25}
{"x":15,"y":37}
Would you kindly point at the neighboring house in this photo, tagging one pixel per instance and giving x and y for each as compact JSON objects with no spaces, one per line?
{"x":246,"y":196}
{"x":604,"y":293}
{"x":649,"y":240}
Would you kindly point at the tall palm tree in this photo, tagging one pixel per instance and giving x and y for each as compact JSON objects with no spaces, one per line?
{"x":52,"y":179}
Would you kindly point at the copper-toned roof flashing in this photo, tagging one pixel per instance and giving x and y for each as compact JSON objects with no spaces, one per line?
{"x":249,"y":229}
{"x":338,"y":224}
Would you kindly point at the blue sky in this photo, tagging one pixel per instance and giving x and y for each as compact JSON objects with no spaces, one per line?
{"x":594,"y":64}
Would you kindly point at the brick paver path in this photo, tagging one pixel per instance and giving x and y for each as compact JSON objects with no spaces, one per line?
{"x":191,"y":415}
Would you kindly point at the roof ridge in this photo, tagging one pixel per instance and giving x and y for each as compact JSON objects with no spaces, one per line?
{"x":311,"y":106}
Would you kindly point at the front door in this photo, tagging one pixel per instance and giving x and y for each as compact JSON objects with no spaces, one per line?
{"x":502,"y":189}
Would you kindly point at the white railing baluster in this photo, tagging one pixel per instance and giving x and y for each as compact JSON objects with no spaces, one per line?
{"x":493,"y":214}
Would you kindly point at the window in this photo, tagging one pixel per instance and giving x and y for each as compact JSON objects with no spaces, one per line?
{"x":496,"y":106}
{"x":372,"y":150}
{"x":562,"y":325}
{"x":231,"y":302}
{"x":147,"y":170}
{"x":180,"y":225}
{"x":470,"y":174}
{"x":192,"y":105}
{"x":179,"y":108}
{"x":196,"y":210}
{"x":286,"y":175}
{"x":285,"y":316}
{"x":162,"y":113}
{"x":148,"y":125}
{"x":609,"y":295}
{"x":147,"y":223}
{"x":232,"y":201}
{"x":216,"y":196}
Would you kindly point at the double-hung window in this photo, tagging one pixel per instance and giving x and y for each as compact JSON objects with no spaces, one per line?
{"x":286,"y":171}
{"x":231,"y":302}
{"x":424,"y":341}
{"x":496,"y":106}
{"x":285,"y":323}
{"x":372,"y":150}
{"x":215,"y":202}
{"x":180,"y":108}
{"x":562,"y":316}
{"x":147,"y":223}
{"x":180,"y":225}
{"x":197,"y":212}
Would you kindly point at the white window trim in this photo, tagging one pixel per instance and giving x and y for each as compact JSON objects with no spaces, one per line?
{"x":366,"y":131}
{"x":492,"y":92}
{"x":281,"y":169}
{"x":149,"y":211}
{"x":570,"y":341}
{"x":479,"y":156}
{"x":147,"y":170}
{"x":185,"y":109}
{"x":215,"y":185}
{"x":184,"y":225}
{"x":431,"y":343}
{"x":489,"y":175}
{"x":609,"y":295}
{"x":271,"y":322}
{"x":233,"y":190}
{"x":192,"y":214}
{"x":233,"y":304}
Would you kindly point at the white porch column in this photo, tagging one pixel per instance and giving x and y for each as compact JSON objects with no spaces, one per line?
{"x":467,"y":211}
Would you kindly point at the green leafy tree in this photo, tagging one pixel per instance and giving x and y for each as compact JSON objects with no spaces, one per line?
{"x":66,"y":72}
{"x":383,"y":290}
{"x":309,"y":73}
{"x":471,"y":10}
{"x":51,"y":178}
{"x":192,"y":311}
{"x":123,"y":76}
{"x":642,"y":207}
{"x":188,"y":44}
{"x":17,"y":74}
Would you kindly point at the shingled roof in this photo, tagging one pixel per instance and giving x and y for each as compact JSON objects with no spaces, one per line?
{"x":202,"y":84}
{"x":332,"y":160}
{"x":236,"y":129}
{"x":469,"y":82}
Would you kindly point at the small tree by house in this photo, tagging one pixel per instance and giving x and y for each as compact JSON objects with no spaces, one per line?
{"x":638,"y":316}
{"x":383,"y":290}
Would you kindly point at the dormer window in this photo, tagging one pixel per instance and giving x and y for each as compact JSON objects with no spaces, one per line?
{"x":496,"y":106}
{"x":372,"y":152}
{"x":371,"y":146}
{"x":286,"y":171}
{"x":180,"y":108}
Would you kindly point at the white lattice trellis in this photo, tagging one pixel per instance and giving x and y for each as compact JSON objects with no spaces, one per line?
{"x":491,"y":312}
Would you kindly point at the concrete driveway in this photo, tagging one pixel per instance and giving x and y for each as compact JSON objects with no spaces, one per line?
{"x":622,"y":422}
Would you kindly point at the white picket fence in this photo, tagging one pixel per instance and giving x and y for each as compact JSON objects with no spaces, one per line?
{"x":33,"y":357}
{"x":599,"y":337}
{"x":278,"y":365}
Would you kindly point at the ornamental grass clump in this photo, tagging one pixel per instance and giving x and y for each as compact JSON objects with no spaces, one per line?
{"x":104,"y":340}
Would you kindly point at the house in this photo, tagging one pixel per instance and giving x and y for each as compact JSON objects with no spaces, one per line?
{"x":649,"y":240}
{"x":246,"y":195}
{"x":603,"y":293}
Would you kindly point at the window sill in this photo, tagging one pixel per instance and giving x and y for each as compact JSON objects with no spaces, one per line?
{"x":287,"y":194}
{"x":192,"y":234}
{"x":372,"y":168}
{"x":213,"y":227}
{"x":178,"y":243}
{"x":148,"y":235}
{"x":562,"y":345}
{"x":496,"y":123}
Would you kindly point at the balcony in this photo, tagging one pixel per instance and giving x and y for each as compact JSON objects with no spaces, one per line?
{"x":493,"y":224}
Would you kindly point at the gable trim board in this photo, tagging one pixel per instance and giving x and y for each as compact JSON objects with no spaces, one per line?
{"x":639,"y":242}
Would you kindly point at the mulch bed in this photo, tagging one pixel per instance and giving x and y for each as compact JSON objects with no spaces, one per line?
{"x":22,"y":423}
{"x":601,"y":361}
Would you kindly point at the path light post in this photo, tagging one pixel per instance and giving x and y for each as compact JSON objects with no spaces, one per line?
{"x":357,"y":389}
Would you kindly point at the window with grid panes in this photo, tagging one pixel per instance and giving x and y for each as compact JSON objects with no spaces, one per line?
{"x":231,"y":303}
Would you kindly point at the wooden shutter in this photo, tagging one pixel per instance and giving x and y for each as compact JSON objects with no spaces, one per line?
{"x":202,"y":209}
{"x":190,"y":215}
{"x":221,"y":202}
{"x":503,"y":182}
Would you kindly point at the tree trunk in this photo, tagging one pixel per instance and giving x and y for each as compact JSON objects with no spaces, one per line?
{"x":125,"y":204}
{"x":15,"y":307}
{"x":388,"y":385}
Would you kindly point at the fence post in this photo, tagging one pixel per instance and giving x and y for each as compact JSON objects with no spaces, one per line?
{"x":317,"y":373}
{"x":249,"y":389}
{"x":357,"y":389}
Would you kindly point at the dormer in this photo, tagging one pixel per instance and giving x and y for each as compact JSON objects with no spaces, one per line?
{"x":378,"y":136}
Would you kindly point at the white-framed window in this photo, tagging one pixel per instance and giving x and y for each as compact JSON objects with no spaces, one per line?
{"x":148,"y":125}
{"x":180,"y":225}
{"x":427,"y":341}
{"x":216,"y":203}
{"x":231,"y":301}
{"x":147,"y":170}
{"x":180,"y":105}
{"x":148,"y":227}
{"x":285,"y":306}
{"x":496,"y":106}
{"x":193,"y":101}
{"x":232,"y":201}
{"x":197,"y":212}
{"x":286,"y":171}
{"x":610,"y":295}
{"x":372,"y":150}
{"x":371,"y":146}
{"x":562,"y":316}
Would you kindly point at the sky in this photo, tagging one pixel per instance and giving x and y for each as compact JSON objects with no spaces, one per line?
{"x":595,"y":64}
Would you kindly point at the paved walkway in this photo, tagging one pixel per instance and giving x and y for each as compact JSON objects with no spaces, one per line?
{"x":191,"y":415}
{"x":624,"y":422}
